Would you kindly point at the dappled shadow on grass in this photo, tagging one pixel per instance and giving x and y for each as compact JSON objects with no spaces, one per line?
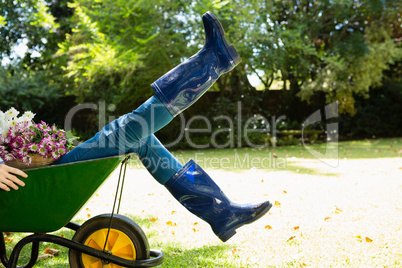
{"x":61,"y":260}
{"x":177,"y":255}
{"x":206,"y":256}
{"x":302,"y":170}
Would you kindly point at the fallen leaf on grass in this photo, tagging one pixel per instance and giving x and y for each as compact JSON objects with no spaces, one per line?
{"x":296,"y":227}
{"x":327,"y":218}
{"x":195,"y":230}
{"x":195,"y":223}
{"x":285,"y":192}
{"x":45,"y":256}
{"x":89,"y":215}
{"x":277,"y":203}
{"x":368,"y":240}
{"x":234,"y":251}
{"x":262,"y":181}
{"x":291,"y":238}
{"x":268,"y":227}
{"x":171,"y":223}
{"x":303,"y":265}
{"x":338,"y":210}
{"x":173,"y":211}
{"x":52,"y":251}
{"x":7,"y":239}
{"x":152,"y":219}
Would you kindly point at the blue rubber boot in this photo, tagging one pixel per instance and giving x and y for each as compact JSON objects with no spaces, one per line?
{"x":179,"y":88}
{"x":197,"y":192}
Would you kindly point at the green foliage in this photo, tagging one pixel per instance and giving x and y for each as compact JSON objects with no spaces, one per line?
{"x":341,"y":48}
{"x":30,"y":92}
{"x":36,"y":26}
{"x":379,"y":116}
{"x":353,"y":78}
{"x":320,"y":51}
{"x":3,"y":21}
{"x":119,"y":47}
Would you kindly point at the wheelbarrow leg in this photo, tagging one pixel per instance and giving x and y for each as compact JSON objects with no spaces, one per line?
{"x":12,"y":263}
{"x":3,"y":253}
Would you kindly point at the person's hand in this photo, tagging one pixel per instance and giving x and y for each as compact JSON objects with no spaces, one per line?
{"x":8,"y":180}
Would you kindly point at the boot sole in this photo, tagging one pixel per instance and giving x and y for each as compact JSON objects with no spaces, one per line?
{"x":229,"y":48}
{"x":232,"y":231}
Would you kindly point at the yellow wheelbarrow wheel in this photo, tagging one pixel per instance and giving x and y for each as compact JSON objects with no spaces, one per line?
{"x":125,"y":240}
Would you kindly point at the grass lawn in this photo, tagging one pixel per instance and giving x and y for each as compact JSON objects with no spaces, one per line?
{"x":347,"y":214}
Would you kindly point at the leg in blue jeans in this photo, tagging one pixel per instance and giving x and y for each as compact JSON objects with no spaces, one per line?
{"x":132,"y":133}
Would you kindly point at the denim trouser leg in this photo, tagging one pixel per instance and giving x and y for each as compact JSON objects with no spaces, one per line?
{"x":157,"y":159}
{"x":132,"y":133}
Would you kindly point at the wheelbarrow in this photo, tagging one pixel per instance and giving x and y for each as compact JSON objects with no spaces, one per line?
{"x":52,"y":196}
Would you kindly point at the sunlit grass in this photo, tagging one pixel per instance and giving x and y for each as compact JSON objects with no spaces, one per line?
{"x":287,"y":158}
{"x":346,"y":217}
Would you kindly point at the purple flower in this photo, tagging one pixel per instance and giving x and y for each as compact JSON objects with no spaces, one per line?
{"x":61,"y":134}
{"x":62,"y":150}
{"x":56,"y":155}
{"x":13,"y":132}
{"x":43,"y":126}
{"x":23,"y":151}
{"x":27,"y":160}
{"x":9,"y":157}
{"x":44,"y":142}
{"x":42,"y":151}
{"x":33,"y":147}
{"x":52,"y":146}
{"x":15,"y":144}
{"x":25,"y":136}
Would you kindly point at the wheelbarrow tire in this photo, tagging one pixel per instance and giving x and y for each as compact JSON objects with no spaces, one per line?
{"x":126,"y":240}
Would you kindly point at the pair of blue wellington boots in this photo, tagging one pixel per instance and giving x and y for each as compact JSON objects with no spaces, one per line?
{"x":180,"y":88}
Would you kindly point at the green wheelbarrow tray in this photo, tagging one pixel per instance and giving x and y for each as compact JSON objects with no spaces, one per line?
{"x":53,"y":195}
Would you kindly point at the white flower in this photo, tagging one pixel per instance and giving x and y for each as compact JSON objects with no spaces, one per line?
{"x":3,"y":127}
{"x":28,"y":115}
{"x":11,"y":113}
{"x":13,"y":123}
{"x":23,"y":119}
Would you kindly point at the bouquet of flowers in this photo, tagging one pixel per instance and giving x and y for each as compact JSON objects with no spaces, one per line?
{"x":22,"y":140}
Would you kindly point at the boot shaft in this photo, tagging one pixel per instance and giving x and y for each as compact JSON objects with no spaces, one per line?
{"x":186,"y":83}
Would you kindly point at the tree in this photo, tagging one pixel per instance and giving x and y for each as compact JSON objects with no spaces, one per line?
{"x":120,"y":47}
{"x":36,"y":25}
{"x":322,"y":51}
